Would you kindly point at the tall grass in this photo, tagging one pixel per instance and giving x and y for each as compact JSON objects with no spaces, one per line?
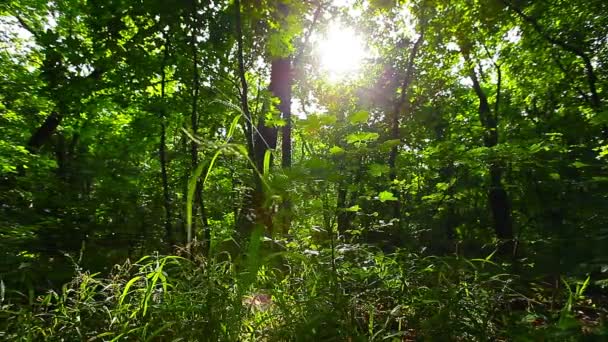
{"x":370,"y":296}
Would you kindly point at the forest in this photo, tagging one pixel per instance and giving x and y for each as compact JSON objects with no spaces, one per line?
{"x":304,"y":170}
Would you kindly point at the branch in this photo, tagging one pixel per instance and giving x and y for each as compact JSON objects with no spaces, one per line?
{"x":498,"y":81}
{"x":484,"y":107}
{"x":27,"y":27}
{"x":562,"y":67}
{"x":410,"y":69}
{"x":591,"y":78}
{"x":315,"y":18}
{"x":244,"y":89}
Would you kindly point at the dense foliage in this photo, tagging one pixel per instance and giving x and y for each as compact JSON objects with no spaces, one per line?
{"x":453,"y":187}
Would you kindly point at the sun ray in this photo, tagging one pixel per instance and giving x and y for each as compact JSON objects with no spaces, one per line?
{"x":341,"y":52}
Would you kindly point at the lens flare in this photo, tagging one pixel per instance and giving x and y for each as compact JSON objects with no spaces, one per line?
{"x":341,"y":52}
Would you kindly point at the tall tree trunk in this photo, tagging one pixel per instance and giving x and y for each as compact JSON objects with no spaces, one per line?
{"x":280,"y":86}
{"x":163,"y":146}
{"x":344,"y":217}
{"x":244,"y":91}
{"x":449,"y":218}
{"x":265,"y":137}
{"x":498,"y":198}
{"x":245,"y":218}
{"x":194,"y":117}
{"x":401,"y":106}
{"x":344,"y":201}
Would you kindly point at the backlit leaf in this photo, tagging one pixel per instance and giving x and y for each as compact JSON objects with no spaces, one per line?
{"x":386,"y":196}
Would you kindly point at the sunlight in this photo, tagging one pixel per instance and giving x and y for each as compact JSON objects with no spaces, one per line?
{"x":341,"y":52}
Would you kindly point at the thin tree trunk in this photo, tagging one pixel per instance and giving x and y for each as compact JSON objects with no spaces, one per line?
{"x":280,"y":86}
{"x":194,"y":119}
{"x":401,"y":106}
{"x":198,"y":201}
{"x":244,"y":93}
{"x":61,"y":154}
{"x":162,"y":149}
{"x":343,"y":220}
{"x":245,"y":222}
{"x":345,"y":217}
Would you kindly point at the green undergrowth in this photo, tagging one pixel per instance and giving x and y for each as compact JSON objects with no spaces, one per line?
{"x":359,"y":294}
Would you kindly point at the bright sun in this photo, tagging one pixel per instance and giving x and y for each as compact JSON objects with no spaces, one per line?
{"x":341,"y":52}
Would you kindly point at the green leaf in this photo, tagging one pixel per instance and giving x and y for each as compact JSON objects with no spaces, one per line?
{"x":359,"y":117}
{"x":361,"y":137}
{"x":314,"y":122}
{"x":158,"y":331}
{"x":336,"y":150}
{"x":600,"y":119}
{"x":442,"y":186}
{"x":391,"y":143}
{"x":327,"y":119}
{"x":354,"y":208}
{"x":603,"y":151}
{"x":317,"y":164}
{"x":535,"y":147}
{"x":377,"y":170}
{"x":567,"y":322}
{"x":274,"y":121}
{"x":386,"y":196}
{"x":311,"y":123}
{"x":253,"y":256}
{"x":267,"y":155}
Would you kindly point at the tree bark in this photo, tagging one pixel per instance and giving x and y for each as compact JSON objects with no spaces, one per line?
{"x":401,"y":106}
{"x":44,"y":132}
{"x":498,"y":198}
{"x":162,"y":149}
{"x":248,"y":215}
{"x":244,"y":91}
{"x":194,"y":117}
{"x":265,"y":137}
{"x":280,"y":86}
{"x":344,"y":217}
